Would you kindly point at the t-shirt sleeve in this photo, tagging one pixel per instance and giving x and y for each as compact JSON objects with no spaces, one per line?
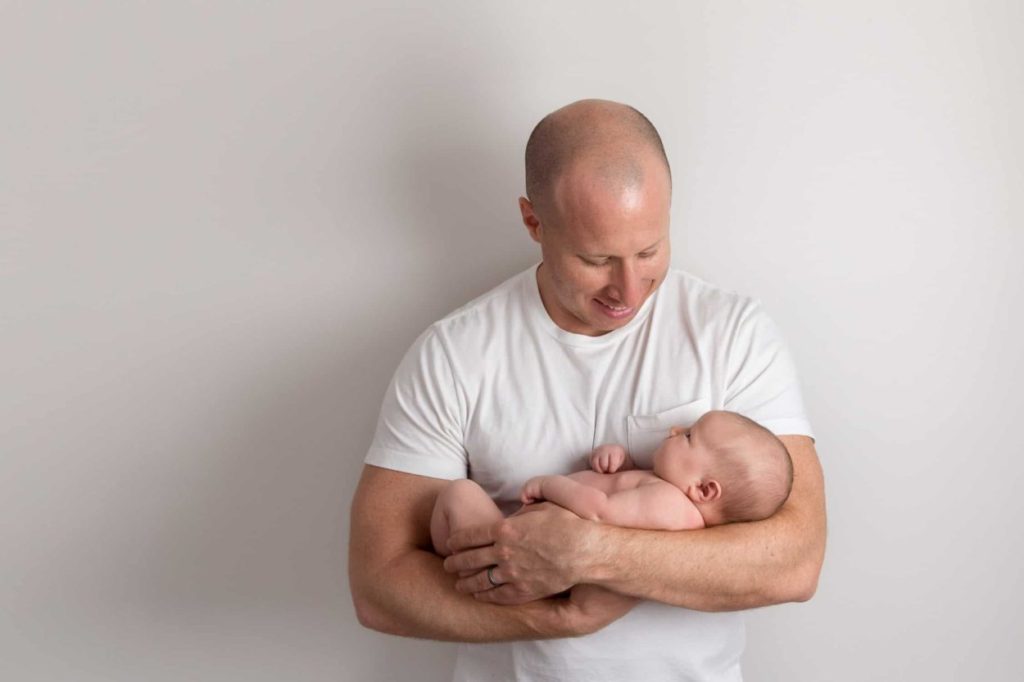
{"x":419,"y":430}
{"x":762,"y":381}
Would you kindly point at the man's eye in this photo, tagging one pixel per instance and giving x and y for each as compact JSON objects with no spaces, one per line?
{"x":648,"y":254}
{"x":595,"y":263}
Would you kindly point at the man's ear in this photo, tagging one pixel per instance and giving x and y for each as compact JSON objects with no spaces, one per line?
{"x":530,"y":218}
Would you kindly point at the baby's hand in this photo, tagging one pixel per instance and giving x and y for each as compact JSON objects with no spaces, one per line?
{"x":607,"y":459}
{"x":531,"y":491}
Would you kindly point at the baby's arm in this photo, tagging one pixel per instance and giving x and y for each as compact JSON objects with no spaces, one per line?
{"x":653,"y":506}
{"x":583,"y":500}
{"x":607,"y":459}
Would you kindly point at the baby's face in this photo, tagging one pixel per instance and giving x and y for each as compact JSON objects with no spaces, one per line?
{"x":683,"y":458}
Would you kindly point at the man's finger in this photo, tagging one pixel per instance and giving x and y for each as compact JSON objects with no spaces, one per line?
{"x":471,"y":560}
{"x":474,"y":536}
{"x":488,"y":580}
{"x":506,"y":595}
{"x":476,"y":582}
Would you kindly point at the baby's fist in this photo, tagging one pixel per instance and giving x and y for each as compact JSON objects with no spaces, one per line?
{"x":607,"y":459}
{"x":531,"y":491}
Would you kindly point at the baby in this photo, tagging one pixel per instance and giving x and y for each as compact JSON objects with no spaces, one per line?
{"x":723,"y":469}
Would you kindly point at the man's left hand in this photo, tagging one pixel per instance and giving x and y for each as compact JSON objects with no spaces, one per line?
{"x":533,"y":554}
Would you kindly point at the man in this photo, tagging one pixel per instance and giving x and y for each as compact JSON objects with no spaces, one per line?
{"x":600,"y":343}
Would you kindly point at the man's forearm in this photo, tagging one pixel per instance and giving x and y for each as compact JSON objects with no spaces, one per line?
{"x":725,"y":568}
{"x":400,"y":587}
{"x":412,"y":596}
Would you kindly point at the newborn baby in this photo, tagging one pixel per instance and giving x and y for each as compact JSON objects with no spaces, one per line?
{"x":723,"y":469}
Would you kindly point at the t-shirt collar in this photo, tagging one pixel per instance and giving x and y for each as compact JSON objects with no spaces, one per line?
{"x":541,"y":317}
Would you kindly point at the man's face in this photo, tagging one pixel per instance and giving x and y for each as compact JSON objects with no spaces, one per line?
{"x":605,"y":249}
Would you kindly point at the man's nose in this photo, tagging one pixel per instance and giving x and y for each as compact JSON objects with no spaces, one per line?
{"x":626,"y":282}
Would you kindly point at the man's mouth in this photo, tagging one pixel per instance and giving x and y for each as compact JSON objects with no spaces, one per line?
{"x":616,"y":311}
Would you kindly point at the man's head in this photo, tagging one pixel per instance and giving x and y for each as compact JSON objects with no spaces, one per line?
{"x":599,"y":190}
{"x":730,"y":466}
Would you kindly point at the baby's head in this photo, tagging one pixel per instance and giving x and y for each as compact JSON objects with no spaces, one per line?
{"x":732,"y":468}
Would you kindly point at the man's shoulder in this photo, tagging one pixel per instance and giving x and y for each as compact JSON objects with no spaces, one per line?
{"x":703,"y":302}
{"x":497,"y":307}
{"x":499,"y":295}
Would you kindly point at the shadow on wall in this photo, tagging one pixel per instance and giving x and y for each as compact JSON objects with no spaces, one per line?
{"x":259,"y":544}
{"x":452,"y":161}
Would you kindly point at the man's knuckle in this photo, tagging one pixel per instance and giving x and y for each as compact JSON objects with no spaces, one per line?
{"x":505,"y":530}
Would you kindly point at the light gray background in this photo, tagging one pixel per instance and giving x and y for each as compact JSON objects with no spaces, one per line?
{"x":223,"y":223}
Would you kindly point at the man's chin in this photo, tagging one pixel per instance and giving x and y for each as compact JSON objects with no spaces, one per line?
{"x":600,"y":327}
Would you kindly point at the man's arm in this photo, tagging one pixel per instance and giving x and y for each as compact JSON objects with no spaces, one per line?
{"x":399,"y":586}
{"x":736,"y":566}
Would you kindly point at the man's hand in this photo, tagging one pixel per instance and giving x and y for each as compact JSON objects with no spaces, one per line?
{"x":399,"y":587}
{"x":607,"y":459}
{"x":535,"y":553}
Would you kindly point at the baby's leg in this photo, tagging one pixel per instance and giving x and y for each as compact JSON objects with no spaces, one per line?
{"x":462,"y":503}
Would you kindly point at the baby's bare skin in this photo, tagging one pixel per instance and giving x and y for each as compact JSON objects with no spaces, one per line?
{"x":634,"y":499}
{"x":680,"y":493}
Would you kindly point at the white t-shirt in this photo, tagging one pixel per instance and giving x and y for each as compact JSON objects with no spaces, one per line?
{"x":498,"y":393}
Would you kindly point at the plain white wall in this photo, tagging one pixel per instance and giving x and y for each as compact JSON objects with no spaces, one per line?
{"x":223,"y":223}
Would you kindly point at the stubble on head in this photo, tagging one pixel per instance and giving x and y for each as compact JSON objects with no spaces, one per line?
{"x":587,"y":147}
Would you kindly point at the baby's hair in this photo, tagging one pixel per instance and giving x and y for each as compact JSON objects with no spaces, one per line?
{"x":758,"y":469}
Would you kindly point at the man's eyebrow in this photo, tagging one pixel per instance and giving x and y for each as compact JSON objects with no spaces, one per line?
{"x":602,"y":255}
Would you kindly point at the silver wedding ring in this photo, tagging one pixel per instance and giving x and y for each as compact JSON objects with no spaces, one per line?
{"x":490,"y":577}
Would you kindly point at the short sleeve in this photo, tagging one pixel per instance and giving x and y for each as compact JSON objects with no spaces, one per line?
{"x":419,"y":430}
{"x":762,"y":382}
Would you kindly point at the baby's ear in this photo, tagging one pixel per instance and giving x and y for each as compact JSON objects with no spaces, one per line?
{"x":710,"y":490}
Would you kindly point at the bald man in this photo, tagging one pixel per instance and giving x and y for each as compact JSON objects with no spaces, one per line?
{"x":601,"y":342}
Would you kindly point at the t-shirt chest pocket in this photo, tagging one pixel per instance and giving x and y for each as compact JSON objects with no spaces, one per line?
{"x":644,"y":433}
